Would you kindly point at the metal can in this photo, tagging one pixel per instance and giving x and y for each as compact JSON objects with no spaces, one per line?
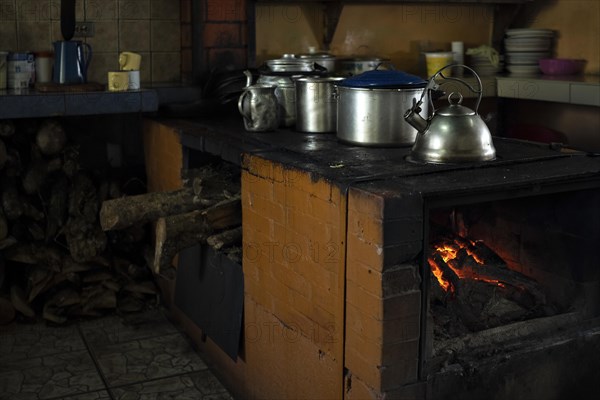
{"x":20,"y":70}
{"x":316,"y":104}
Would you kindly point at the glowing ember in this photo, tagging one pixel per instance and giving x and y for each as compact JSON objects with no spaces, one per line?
{"x":457,"y":259}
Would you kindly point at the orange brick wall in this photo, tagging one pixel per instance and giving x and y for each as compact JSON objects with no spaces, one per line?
{"x":294,"y":236}
{"x":224,"y":34}
{"x":383,"y":298}
{"x":163,"y":157}
{"x":320,"y":321}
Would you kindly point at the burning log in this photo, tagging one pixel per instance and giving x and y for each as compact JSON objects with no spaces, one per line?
{"x":480,"y":290}
{"x":178,"y":232}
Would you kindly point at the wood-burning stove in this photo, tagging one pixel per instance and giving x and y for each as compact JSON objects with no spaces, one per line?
{"x":340,"y":237}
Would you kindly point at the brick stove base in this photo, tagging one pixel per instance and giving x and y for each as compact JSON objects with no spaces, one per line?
{"x":333,"y":261}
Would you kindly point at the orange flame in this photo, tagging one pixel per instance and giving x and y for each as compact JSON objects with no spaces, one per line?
{"x":449,"y":251}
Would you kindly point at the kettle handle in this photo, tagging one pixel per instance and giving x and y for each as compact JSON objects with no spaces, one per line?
{"x":479,"y":92}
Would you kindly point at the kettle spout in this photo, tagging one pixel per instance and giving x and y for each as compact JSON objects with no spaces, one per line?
{"x":415,"y":120}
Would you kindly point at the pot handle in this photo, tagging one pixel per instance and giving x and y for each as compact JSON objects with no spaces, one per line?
{"x":439,"y":73}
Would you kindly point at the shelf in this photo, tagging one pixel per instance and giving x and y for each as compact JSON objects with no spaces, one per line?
{"x":583,"y":90}
{"x":33,"y":104}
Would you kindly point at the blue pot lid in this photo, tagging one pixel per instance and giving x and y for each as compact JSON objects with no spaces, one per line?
{"x":384,"y":79}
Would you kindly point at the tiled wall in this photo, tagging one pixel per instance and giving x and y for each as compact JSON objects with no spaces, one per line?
{"x":149,"y":27}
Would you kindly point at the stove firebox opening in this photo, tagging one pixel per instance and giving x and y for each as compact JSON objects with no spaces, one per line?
{"x":510,"y":277}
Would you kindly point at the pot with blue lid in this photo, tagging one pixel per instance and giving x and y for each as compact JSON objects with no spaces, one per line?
{"x":371,"y":108}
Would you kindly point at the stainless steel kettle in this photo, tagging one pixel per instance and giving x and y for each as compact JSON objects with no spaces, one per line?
{"x":453,"y":134}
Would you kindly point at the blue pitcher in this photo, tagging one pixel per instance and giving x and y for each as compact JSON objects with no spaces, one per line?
{"x":71,"y":60}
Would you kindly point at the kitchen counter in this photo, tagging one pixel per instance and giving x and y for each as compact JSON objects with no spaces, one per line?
{"x":29,"y":103}
{"x":572,"y":89}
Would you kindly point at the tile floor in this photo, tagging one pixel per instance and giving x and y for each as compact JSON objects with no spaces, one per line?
{"x":141,"y":356}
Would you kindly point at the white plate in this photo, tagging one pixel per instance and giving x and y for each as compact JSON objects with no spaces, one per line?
{"x":530,"y":32}
{"x":524,"y":48}
{"x":524,"y":54}
{"x":528,"y":41}
{"x":515,"y":58}
{"x":523,"y":69}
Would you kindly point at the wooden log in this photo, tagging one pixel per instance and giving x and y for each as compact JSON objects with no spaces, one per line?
{"x":84,"y":237}
{"x":225,"y":238}
{"x":36,"y":254}
{"x":3,"y":225}
{"x":180,"y":231}
{"x":3,"y":154}
{"x":37,"y":172}
{"x":57,"y":207}
{"x":7,"y":128}
{"x":127,"y":211}
{"x":51,"y":137}
{"x":500,"y":335}
{"x":11,"y":200}
{"x":19,"y":301}
{"x":7,"y":311}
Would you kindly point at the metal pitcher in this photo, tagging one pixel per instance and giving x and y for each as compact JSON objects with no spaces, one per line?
{"x":258,"y":106}
{"x":71,"y":61}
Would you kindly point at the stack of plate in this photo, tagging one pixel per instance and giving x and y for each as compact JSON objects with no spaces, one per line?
{"x":484,"y":67}
{"x":525,"y":47}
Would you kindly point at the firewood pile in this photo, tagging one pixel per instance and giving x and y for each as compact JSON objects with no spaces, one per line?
{"x":78,"y":243}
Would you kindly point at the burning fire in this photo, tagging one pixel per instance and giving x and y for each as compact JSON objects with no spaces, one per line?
{"x":454,"y":259}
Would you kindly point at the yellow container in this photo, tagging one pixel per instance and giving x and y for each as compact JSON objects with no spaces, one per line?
{"x":118,"y":81}
{"x":438,"y":60}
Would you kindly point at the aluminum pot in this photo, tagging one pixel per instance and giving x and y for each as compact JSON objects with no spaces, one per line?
{"x":316,"y":104}
{"x":371,"y":108}
{"x":281,"y":73}
{"x":358,"y":65}
{"x":290,"y":63}
{"x":325,"y":60}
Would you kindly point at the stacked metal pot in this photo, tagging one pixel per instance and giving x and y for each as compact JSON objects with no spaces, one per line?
{"x":364,"y":109}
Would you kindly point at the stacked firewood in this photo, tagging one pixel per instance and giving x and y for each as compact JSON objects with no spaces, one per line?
{"x":75,"y":243}
{"x":206,"y":210}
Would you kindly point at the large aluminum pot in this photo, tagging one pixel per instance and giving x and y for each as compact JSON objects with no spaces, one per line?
{"x":371,"y":108}
{"x":316,"y":104}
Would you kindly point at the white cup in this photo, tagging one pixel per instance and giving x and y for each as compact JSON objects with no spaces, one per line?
{"x":43,"y":67}
{"x":134,"y":80}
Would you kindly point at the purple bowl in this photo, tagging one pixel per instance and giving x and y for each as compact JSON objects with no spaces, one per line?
{"x":561,"y":66}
